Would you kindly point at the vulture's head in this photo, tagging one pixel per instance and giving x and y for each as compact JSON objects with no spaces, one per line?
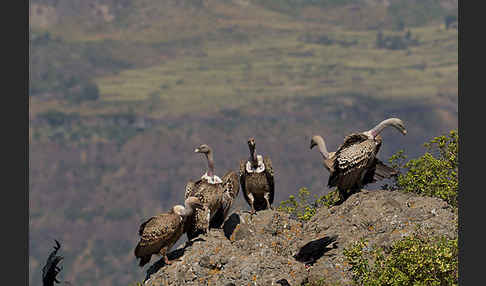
{"x":204,"y":149}
{"x":251,"y":143}
{"x":193,"y":202}
{"x":190,"y":204}
{"x":314,"y":140}
{"x":398,"y":124}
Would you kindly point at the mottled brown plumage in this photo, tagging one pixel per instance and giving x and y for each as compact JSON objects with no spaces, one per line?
{"x":231,"y":188}
{"x":257,"y":186}
{"x":354,"y":164}
{"x":211,"y":196}
{"x":352,"y":160}
{"x":216,"y":195}
{"x":159,"y":233}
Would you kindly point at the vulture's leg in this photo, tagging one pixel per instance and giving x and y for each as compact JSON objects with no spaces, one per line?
{"x":252,"y":200}
{"x":166,"y":260}
{"x":163,"y":252}
{"x":188,"y":243}
{"x":342,"y":195}
{"x":267,"y":199}
{"x":356,"y":189}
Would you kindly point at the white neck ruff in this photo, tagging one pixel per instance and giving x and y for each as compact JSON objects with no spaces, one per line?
{"x":259,"y":169}
{"x":211,"y":180}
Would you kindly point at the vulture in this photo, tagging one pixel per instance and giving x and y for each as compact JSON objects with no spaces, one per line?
{"x":354,"y":164}
{"x":256,"y":179}
{"x":215,"y":194}
{"x":159,"y":233}
{"x":50,"y":270}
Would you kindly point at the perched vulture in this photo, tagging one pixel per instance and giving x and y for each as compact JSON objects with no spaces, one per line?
{"x":215,"y":194}
{"x":354,"y":164}
{"x":256,"y":179}
{"x":159,"y":233}
{"x":50,"y":270}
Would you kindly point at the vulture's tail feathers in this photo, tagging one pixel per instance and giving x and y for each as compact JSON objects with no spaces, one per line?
{"x":383,"y":171}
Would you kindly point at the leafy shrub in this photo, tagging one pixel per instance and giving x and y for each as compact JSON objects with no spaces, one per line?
{"x":415,"y":260}
{"x":304,"y":207}
{"x":332,"y":198}
{"x":435,"y":173}
{"x":301,"y":208}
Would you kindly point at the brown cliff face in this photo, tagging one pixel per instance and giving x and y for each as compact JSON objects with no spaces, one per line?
{"x":260,"y":249}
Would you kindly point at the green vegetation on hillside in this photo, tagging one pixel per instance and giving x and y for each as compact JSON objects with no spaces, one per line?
{"x":68,"y":69}
{"x":434,"y":174}
{"x":73,"y":129}
{"x":235,"y":62}
{"x":303,"y":207}
{"x":415,"y":260}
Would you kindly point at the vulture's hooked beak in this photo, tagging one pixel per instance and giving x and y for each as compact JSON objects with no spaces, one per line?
{"x":312,"y":144}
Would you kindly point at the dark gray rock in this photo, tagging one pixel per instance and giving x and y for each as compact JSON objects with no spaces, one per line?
{"x":259,"y":249}
{"x":382,"y":217}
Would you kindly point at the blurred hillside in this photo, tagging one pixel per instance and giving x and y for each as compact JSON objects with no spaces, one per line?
{"x":121,"y":92}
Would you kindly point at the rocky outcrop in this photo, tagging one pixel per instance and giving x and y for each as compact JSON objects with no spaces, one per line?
{"x":260,"y":249}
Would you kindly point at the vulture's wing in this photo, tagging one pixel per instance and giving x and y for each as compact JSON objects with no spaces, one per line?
{"x":243,"y":180}
{"x":269,"y":173}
